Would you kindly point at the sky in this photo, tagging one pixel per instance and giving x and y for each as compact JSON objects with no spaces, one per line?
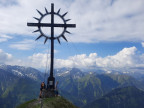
{"x":109,"y":34}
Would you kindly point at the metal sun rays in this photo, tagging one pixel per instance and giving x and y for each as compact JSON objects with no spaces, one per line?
{"x":52,"y":25}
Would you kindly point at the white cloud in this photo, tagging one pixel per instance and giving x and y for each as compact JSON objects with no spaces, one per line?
{"x":5,"y":57}
{"x":97,"y":20}
{"x":38,"y":60}
{"x":23,"y":45}
{"x":142,"y":44}
{"x":126,"y":59}
{"x":4,"y":38}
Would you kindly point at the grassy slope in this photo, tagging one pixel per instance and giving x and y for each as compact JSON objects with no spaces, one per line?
{"x":55,"y":102}
{"x":90,"y":87}
{"x":128,"y":97}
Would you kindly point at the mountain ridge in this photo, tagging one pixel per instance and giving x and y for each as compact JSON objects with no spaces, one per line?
{"x":127,"y":97}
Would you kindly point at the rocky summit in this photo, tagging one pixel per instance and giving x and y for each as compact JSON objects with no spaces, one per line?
{"x":54,"y":102}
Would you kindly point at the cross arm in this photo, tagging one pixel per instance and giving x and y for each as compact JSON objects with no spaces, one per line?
{"x":51,"y":25}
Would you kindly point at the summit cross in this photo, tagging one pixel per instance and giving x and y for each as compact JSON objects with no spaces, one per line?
{"x":52,"y":25}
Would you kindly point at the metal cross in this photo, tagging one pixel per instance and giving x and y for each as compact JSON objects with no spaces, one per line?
{"x":52,"y":25}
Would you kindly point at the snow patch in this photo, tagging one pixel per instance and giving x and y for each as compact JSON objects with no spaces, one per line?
{"x":109,"y":72}
{"x":16,"y":72}
{"x":63,"y":74}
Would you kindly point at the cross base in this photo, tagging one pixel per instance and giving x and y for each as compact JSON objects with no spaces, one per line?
{"x":48,"y":93}
{"x":51,"y":83}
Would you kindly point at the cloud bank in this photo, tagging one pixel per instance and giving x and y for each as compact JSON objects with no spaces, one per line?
{"x":97,"y":20}
{"x":127,"y":58}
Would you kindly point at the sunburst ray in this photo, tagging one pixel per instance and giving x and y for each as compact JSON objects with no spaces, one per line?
{"x":59,"y":40}
{"x":64,"y":38}
{"x":46,"y":10}
{"x":39,"y":12}
{"x":39,"y":37}
{"x":45,"y":40}
{"x":35,"y":31}
{"x":67,"y":20}
{"x":64,"y":14}
{"x":68,"y":32}
{"x":36,"y":18}
{"x":58,"y":11}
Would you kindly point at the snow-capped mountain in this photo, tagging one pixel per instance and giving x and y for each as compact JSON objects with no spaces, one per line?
{"x":21,"y":71}
{"x":73,"y":72}
{"x":35,"y":74}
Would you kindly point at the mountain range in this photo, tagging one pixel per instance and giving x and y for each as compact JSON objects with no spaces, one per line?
{"x":19,"y":84}
{"x":85,"y":88}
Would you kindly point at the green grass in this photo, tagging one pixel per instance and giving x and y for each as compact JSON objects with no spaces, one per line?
{"x":24,"y":105}
{"x":55,"y":102}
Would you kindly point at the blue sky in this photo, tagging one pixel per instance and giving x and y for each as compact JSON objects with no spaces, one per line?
{"x":109,"y":34}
